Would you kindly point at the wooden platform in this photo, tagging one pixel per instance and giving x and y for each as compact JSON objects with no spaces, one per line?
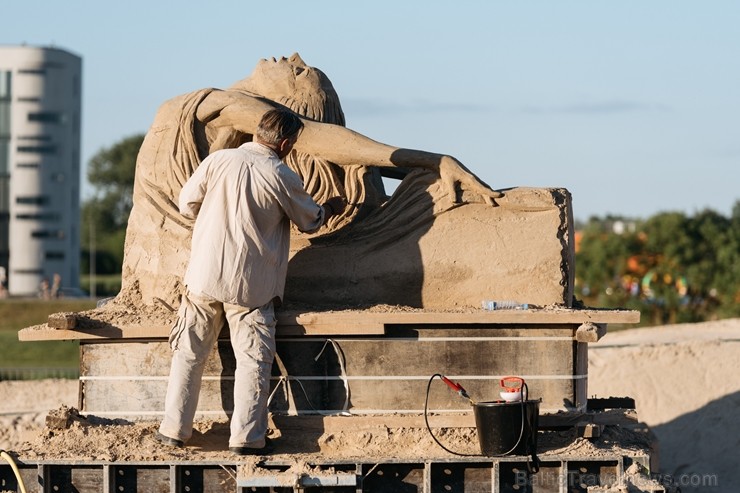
{"x":359,"y":362}
{"x":350,"y":322}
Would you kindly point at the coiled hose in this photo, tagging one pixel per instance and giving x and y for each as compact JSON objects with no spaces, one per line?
{"x":14,"y":467}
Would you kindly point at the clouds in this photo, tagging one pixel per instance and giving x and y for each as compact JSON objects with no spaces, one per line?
{"x":598,"y":108}
{"x":384,"y":107}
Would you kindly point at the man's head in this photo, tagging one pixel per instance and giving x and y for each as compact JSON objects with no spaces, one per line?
{"x":279,"y":129}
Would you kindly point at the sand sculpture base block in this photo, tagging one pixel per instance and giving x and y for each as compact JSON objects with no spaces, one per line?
{"x":419,"y":250}
{"x":521,"y":250}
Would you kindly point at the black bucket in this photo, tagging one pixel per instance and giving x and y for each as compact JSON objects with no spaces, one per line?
{"x":507,"y":428}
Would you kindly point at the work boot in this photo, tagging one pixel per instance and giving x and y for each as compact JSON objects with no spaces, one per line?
{"x":266,"y":450}
{"x":172,"y":442}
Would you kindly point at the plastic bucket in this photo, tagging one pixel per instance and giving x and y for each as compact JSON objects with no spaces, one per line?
{"x":507,"y":428}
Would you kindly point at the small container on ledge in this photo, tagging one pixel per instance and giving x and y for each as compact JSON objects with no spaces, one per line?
{"x":503,"y":305}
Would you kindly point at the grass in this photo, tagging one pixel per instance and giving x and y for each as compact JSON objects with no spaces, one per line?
{"x":105,"y":284}
{"x":22,"y":313}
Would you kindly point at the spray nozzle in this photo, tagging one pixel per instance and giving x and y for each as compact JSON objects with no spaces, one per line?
{"x":456,"y":387}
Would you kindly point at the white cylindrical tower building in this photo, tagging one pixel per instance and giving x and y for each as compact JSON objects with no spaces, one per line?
{"x":40,"y":110}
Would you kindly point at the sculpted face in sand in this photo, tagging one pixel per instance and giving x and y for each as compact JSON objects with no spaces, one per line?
{"x":290,"y":82}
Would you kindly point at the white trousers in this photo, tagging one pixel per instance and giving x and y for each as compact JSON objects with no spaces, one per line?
{"x":252,"y":332}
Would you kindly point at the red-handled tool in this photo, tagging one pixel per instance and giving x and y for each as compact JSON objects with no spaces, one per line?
{"x":513,"y":389}
{"x":517,"y":385}
{"x":457,"y":388}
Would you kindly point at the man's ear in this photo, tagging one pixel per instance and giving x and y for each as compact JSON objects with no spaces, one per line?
{"x":283,"y":146}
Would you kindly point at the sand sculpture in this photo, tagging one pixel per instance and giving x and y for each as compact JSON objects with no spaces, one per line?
{"x":444,"y":238}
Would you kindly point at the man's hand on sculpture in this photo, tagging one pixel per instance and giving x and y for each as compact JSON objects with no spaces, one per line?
{"x":333,"y":207}
{"x":452,"y":172}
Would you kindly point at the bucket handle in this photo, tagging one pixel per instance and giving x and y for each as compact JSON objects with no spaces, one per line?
{"x":512,"y":388}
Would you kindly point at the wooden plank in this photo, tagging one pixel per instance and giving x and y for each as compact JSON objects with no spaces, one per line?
{"x":45,"y":333}
{"x":389,"y":358}
{"x":331,"y":329}
{"x":354,"y":323}
{"x":154,"y":332}
{"x":597,"y":404}
{"x":144,"y":398}
{"x":337,"y":424}
{"x":142,"y":359}
{"x":531,"y":316}
{"x":379,"y":357}
{"x":622,"y":417}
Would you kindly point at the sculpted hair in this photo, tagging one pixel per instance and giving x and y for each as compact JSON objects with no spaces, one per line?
{"x":277,"y":125}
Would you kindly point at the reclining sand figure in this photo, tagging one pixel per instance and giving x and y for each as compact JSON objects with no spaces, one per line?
{"x":331,"y":159}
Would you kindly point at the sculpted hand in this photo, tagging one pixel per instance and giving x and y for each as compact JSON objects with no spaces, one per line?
{"x":452,"y":173}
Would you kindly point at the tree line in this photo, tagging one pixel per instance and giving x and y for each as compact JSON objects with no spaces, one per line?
{"x":672,"y":267}
{"x":110,"y":173}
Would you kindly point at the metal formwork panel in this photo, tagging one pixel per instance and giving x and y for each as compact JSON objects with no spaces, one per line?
{"x":464,"y":475}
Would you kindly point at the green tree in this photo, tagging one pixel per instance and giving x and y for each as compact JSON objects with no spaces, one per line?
{"x":729,"y":257}
{"x":602,"y":257}
{"x":105,"y":214}
{"x":672,"y":267}
{"x":714,"y":266}
{"x":669,"y":243}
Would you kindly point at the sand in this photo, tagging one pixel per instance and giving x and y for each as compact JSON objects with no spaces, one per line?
{"x":684,"y":381}
{"x":682,"y":378}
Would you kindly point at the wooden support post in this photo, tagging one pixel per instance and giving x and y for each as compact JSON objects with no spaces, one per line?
{"x":589,"y":430}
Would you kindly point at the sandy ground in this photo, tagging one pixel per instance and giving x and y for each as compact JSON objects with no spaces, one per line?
{"x":685,"y":384}
{"x":682,"y":377}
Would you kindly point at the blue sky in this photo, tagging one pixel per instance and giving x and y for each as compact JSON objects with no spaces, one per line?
{"x":632,"y":106}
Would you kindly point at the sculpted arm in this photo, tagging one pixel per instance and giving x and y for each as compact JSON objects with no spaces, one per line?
{"x":334,"y":143}
{"x":346,"y":147}
{"x":233,"y":110}
{"x":337,"y":144}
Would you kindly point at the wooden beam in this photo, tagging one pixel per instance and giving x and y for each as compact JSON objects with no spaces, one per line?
{"x":353,"y":322}
{"x":530,"y":316}
{"x":331,"y":329}
{"x":621,"y":417}
{"x":46,"y":333}
{"x":49,"y":333}
{"x":356,"y":422}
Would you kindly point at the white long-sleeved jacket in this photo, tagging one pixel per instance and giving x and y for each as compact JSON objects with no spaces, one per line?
{"x":243,"y":201}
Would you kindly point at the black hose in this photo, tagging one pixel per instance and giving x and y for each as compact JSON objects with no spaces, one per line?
{"x":429,"y":428}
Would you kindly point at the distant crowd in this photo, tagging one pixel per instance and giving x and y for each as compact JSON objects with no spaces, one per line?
{"x":49,"y":291}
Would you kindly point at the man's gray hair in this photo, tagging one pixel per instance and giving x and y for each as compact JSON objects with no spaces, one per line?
{"x":278,"y":124}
